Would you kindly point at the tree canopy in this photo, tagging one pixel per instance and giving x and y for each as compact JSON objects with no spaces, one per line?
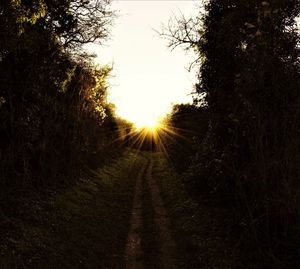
{"x":249,"y":72}
{"x":54,"y":113}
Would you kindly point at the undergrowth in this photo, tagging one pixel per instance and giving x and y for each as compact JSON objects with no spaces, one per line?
{"x":85,"y":226}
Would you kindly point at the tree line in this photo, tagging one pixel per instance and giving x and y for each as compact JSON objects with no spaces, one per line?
{"x":54,"y":116}
{"x":243,"y":142}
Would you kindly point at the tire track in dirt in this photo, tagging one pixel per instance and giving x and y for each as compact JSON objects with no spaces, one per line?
{"x":133,"y":250}
{"x":167,"y":247}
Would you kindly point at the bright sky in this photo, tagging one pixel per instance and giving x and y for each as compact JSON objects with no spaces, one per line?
{"x":147,"y":76}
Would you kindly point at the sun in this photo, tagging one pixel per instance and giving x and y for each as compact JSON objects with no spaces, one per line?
{"x":145,"y":112}
{"x":149,"y":123}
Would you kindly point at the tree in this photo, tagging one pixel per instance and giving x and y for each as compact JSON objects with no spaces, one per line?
{"x":78,"y":22}
{"x":53,"y":98}
{"x":250,"y":74}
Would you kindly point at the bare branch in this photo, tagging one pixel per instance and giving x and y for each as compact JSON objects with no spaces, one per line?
{"x":78,"y":22}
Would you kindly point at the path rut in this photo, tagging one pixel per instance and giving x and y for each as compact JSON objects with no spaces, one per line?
{"x":166,"y":245}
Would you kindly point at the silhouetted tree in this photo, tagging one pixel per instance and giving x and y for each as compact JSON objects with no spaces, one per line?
{"x":53,"y":99}
{"x":250,"y":74}
{"x":189,"y":124}
{"x":78,"y":22}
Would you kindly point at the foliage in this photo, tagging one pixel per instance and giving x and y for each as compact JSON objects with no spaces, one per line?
{"x":188,"y":135}
{"x":78,"y":22}
{"x":250,"y":74}
{"x":55,"y":119}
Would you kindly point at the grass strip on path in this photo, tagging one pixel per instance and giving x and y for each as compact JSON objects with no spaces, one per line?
{"x":83,"y":227}
{"x":199,"y":229}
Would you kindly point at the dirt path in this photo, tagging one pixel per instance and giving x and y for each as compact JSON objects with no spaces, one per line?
{"x":133,"y":251}
{"x":166,"y":247}
{"x":162,"y":223}
{"x":88,"y":225}
{"x":84,"y":226}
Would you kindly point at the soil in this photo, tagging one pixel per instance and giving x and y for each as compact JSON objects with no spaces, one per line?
{"x":164,"y":247}
{"x":133,"y":213}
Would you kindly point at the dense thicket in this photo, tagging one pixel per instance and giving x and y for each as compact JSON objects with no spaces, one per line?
{"x":54,"y":118}
{"x":186,"y":136}
{"x":251,"y":152}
